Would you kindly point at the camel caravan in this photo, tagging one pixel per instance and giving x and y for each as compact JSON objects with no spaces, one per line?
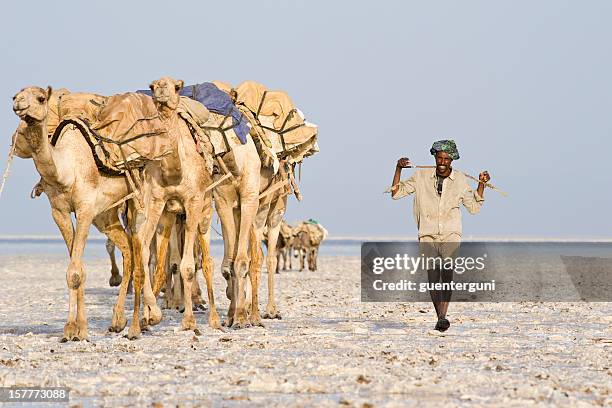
{"x":145,"y":168}
{"x":301,"y":241}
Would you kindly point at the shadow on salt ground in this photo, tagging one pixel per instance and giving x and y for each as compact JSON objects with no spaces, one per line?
{"x":54,"y":327}
{"x":376,"y":324}
{"x":107,"y":291}
{"x":385,"y":324}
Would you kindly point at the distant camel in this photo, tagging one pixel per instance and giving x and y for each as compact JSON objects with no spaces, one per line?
{"x":308,"y":238}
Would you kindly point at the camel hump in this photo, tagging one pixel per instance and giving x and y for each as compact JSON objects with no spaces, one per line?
{"x":64,"y":104}
{"x":280,"y":122}
{"x":131,"y":120}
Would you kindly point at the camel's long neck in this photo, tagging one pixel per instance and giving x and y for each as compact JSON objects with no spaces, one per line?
{"x":166,"y":113}
{"x":171,"y":167}
{"x":42,"y":152}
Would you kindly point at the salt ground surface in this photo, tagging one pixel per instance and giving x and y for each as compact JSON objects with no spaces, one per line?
{"x":328,"y":350}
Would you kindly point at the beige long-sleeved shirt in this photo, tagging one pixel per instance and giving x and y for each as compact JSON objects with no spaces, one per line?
{"x":435,"y":214}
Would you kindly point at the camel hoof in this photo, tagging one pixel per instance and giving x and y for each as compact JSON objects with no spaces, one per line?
{"x":188,"y":323}
{"x":70,"y":331}
{"x":228,"y":322}
{"x":214,"y":322}
{"x":133,"y":332}
{"x":256,"y":322}
{"x":115,"y":280}
{"x":118,"y":322}
{"x":154,"y":315}
{"x":241,"y":323}
{"x":80,"y":333}
{"x":272,"y":315}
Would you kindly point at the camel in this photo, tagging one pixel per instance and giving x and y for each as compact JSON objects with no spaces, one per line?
{"x":308,"y":238}
{"x":180,"y":182}
{"x":73,"y":184}
{"x":284,"y":134}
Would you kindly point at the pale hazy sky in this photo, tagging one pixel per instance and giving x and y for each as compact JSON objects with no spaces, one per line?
{"x":524,"y":88}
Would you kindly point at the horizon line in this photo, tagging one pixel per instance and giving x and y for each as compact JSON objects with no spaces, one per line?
{"x":356,"y":238}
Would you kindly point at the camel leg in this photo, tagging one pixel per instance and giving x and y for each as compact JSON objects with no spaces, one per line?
{"x":64,"y":223}
{"x":151,"y":314}
{"x":223,"y":204}
{"x":153,"y":258}
{"x":115,"y":279}
{"x":109,"y":224}
{"x":207,"y":270}
{"x":196,"y":292}
{"x":168,"y":289}
{"x":274,"y":221}
{"x":193,"y":211}
{"x":178,"y":256}
{"x":311,"y":266}
{"x":248,"y":211}
{"x":76,"y":326}
{"x":283,"y":256}
{"x":255,"y":274}
{"x":174,"y":296}
{"x":166,"y":221}
{"x":135,"y":220}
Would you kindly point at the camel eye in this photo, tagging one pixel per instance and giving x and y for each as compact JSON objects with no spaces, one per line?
{"x":41,"y":99}
{"x":177,"y":87}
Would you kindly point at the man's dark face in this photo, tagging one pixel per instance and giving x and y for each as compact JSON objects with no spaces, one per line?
{"x":443,"y":164}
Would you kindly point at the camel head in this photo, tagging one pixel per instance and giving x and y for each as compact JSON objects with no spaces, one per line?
{"x":166,"y":91}
{"x":31,"y":104}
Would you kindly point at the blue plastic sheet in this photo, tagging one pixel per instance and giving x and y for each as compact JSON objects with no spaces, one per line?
{"x":215,"y":101}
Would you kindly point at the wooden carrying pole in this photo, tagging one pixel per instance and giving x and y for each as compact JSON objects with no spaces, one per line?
{"x":489,"y":185}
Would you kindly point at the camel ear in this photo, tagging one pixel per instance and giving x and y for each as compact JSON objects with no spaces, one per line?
{"x":179,"y":85}
{"x":49,"y":91}
{"x":151,"y":86}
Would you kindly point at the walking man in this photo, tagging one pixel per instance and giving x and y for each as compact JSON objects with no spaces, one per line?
{"x":438,"y":193}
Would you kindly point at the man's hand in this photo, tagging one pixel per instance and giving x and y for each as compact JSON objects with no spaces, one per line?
{"x":484,"y":177}
{"x":404,"y":163}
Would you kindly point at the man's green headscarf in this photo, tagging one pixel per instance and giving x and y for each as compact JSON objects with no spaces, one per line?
{"x":447,"y":146}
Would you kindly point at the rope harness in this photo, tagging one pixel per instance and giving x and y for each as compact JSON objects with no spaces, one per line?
{"x":280,"y":132}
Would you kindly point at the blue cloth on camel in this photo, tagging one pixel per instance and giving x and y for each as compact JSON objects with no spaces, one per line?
{"x":215,"y":101}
